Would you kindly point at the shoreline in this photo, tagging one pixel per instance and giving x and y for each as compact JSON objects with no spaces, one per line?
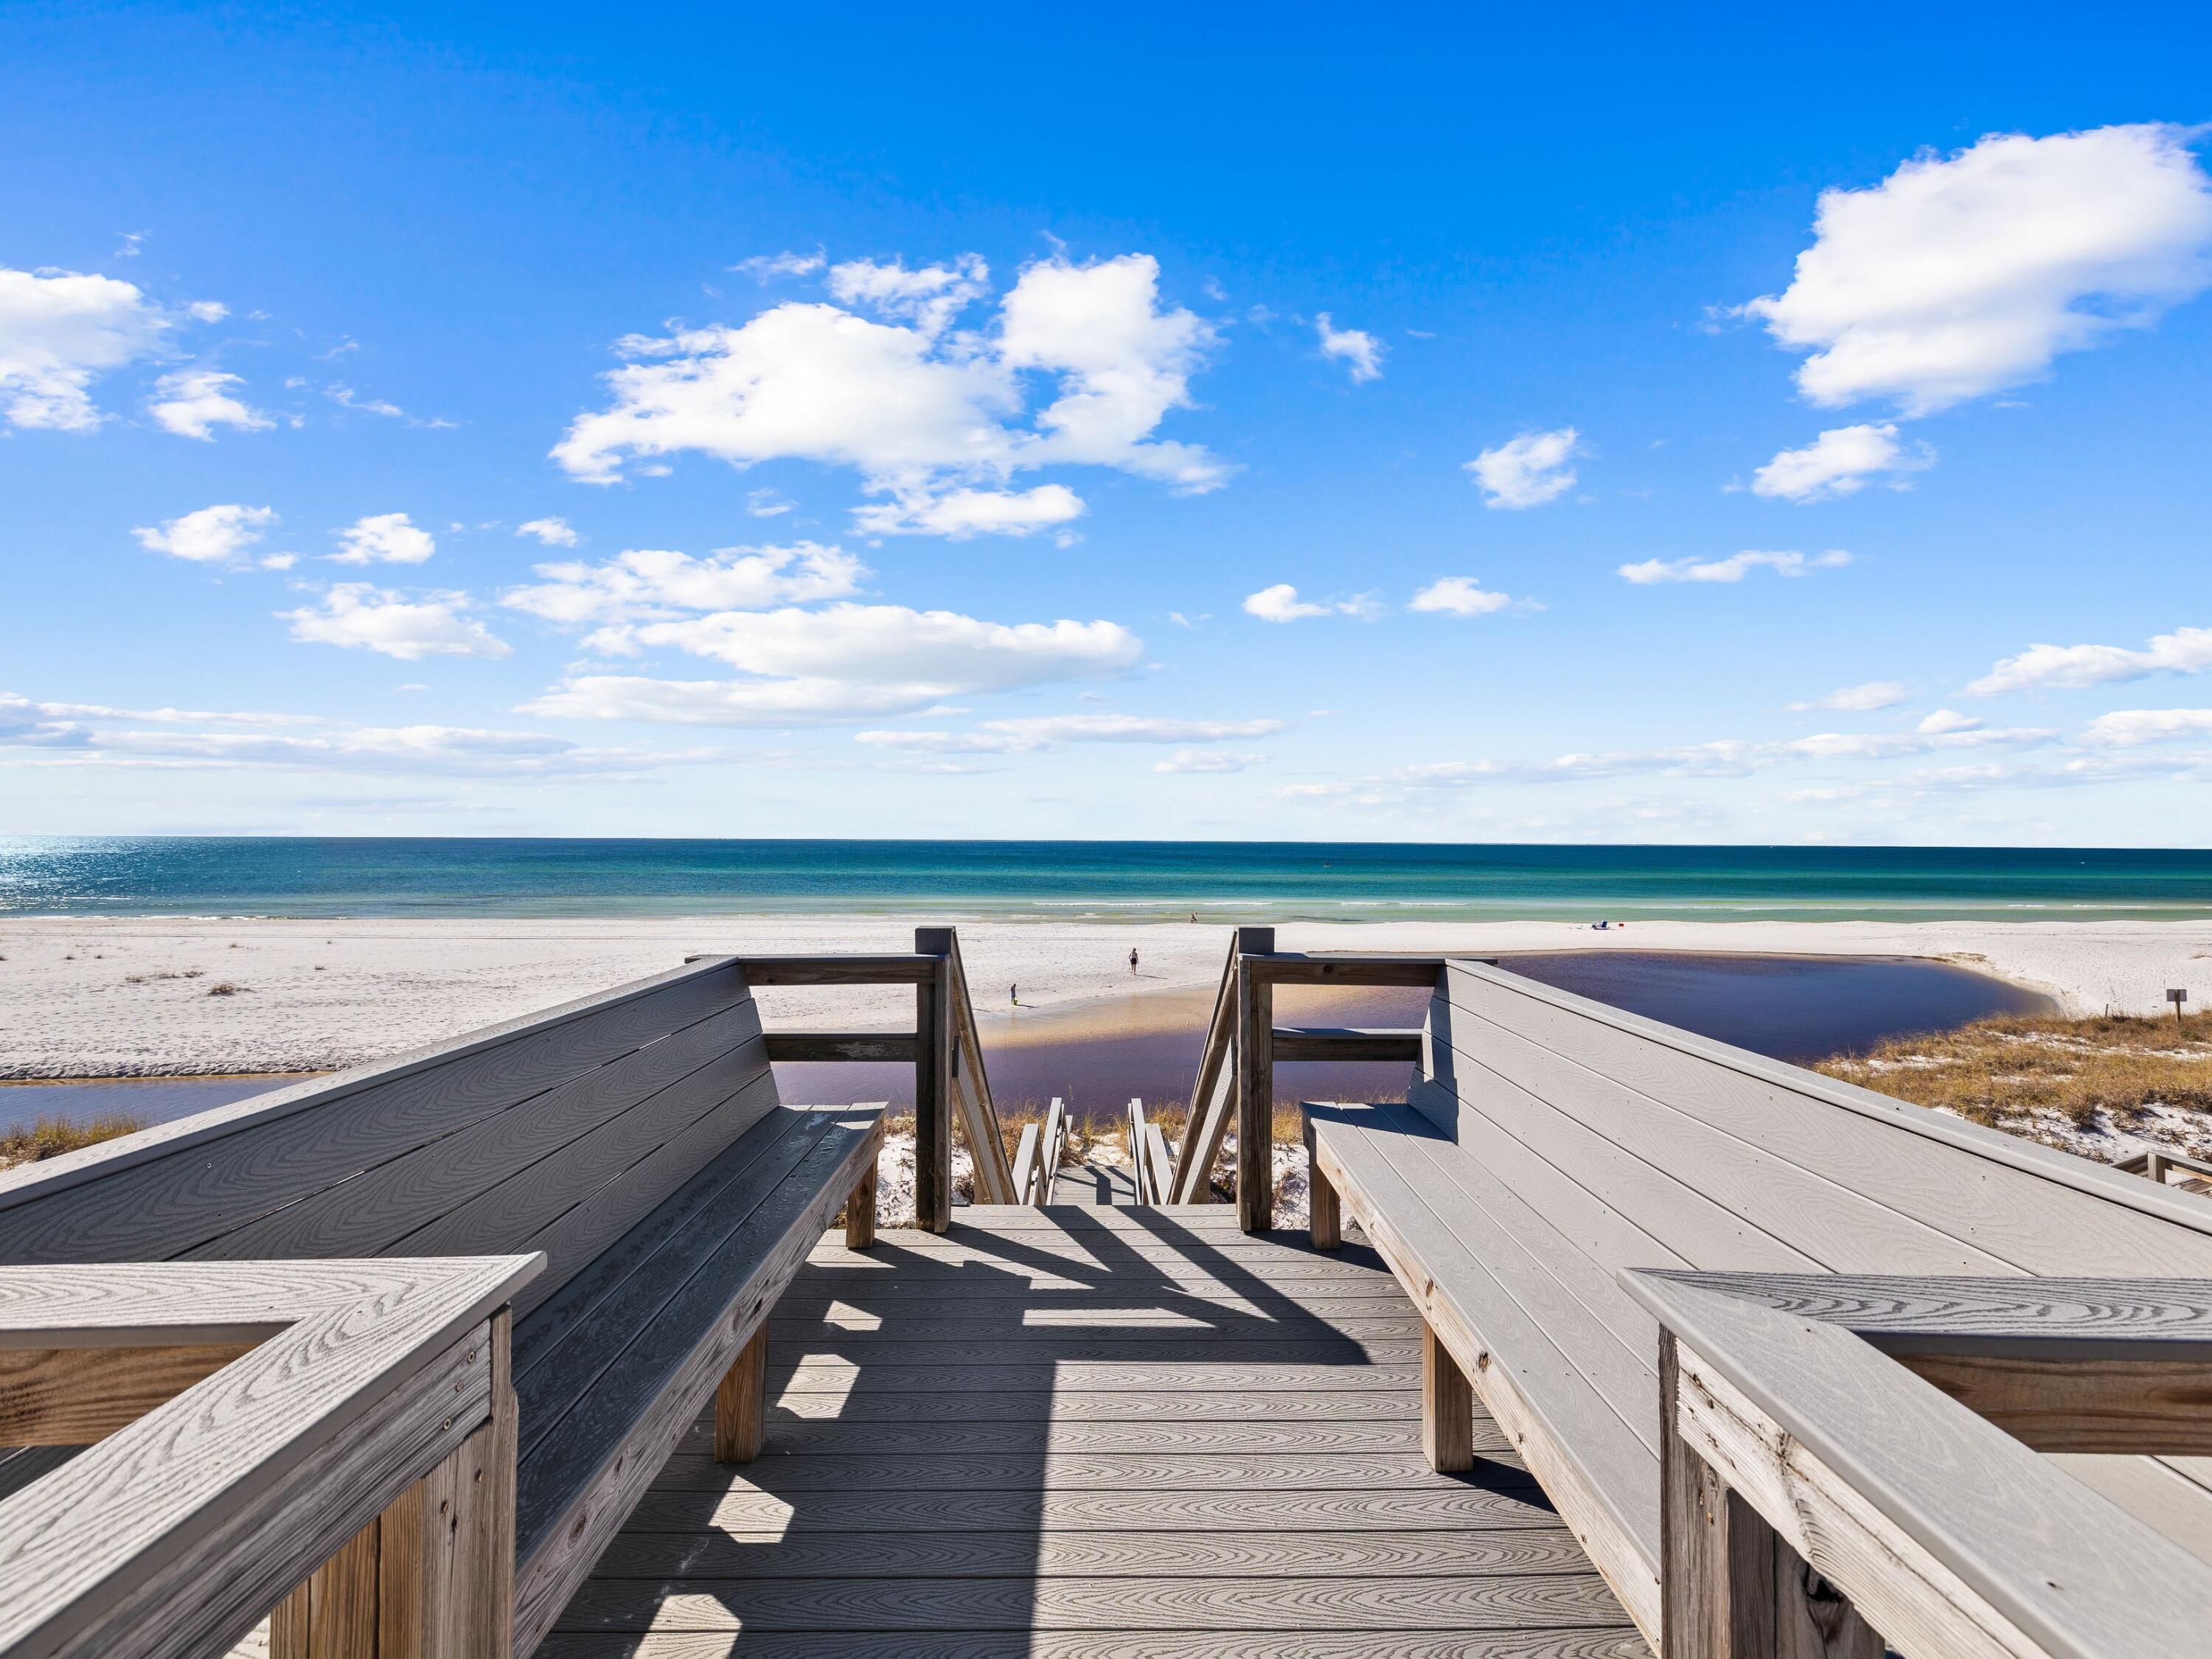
{"x":104,"y":997}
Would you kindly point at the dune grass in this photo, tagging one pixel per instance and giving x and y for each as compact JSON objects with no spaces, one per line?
{"x":50,"y":1137}
{"x":2017,"y":1064}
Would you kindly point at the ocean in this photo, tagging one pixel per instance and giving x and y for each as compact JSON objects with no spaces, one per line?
{"x":1218,"y":881}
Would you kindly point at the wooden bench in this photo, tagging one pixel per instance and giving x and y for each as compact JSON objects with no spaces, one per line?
{"x":635,"y":1137}
{"x":1550,"y":1142}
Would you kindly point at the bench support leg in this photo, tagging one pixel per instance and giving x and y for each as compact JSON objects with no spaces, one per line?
{"x":1730,"y":1587}
{"x":741,"y":1403}
{"x":432,"y":1578}
{"x":1327,"y":1208}
{"x":860,"y":1212}
{"x":1447,"y":1408}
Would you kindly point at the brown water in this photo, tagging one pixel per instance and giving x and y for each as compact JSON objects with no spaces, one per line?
{"x":1096,"y":1056}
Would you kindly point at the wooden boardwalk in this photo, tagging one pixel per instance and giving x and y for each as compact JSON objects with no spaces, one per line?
{"x":1126,"y":1432}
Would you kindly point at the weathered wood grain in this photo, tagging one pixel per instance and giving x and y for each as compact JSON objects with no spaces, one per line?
{"x":860,"y":1211}
{"x":1948,"y":1535}
{"x":74,"y":1397}
{"x":177,"y":1532}
{"x":741,"y":1403}
{"x":1346,"y":1042}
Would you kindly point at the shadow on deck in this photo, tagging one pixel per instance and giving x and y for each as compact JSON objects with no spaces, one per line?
{"x":1126,"y":1431}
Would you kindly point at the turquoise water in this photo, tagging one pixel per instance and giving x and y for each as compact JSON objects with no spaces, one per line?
{"x":1249,"y":881}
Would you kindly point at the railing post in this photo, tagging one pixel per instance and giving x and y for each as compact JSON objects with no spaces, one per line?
{"x":1730,"y":1586}
{"x":1255,"y":1097}
{"x":933,"y":1093}
{"x":432,"y":1578}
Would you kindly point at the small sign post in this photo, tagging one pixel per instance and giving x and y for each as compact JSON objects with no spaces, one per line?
{"x":2177,"y":998}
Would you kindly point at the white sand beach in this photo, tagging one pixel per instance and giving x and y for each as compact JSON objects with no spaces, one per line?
{"x":135,"y":998}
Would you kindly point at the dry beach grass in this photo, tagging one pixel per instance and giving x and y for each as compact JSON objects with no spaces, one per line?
{"x":2104,"y":1087}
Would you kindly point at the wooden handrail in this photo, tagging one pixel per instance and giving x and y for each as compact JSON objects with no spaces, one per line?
{"x":1237,"y":1067}
{"x":1346,"y":1042}
{"x":841,"y":1045}
{"x":1052,"y":1147}
{"x":1206,"y":1123}
{"x":1860,"y":1455}
{"x":979,"y":1113}
{"x":2156,"y":1165}
{"x":352,"y":1390}
{"x":880,"y":970}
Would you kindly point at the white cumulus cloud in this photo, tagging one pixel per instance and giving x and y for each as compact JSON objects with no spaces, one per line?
{"x":59,"y":331}
{"x":1357,"y":349}
{"x":551,"y":532}
{"x":651,"y":584}
{"x":958,"y":515}
{"x":1459,"y":596}
{"x":1840,"y":462}
{"x":917,"y":410}
{"x":384,"y":538}
{"x":360,"y":615}
{"x":1281,"y":604}
{"x":213,"y":535}
{"x":191,"y":403}
{"x":1945,"y":721}
{"x":1733,"y":568}
{"x":2185,"y":651}
{"x":1958,"y":276}
{"x":1528,"y":471}
{"x":929,"y":298}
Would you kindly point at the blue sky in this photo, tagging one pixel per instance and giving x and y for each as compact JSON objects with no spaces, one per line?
{"x":1428,"y":425}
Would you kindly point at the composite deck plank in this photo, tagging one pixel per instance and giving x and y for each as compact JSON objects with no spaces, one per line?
{"x":1078,"y":1380}
{"x":1024,"y":1554}
{"x":1056,"y":1433}
{"x":2038,"y":1223}
{"x":246,"y":1163}
{"x":1353,"y":1405}
{"x":1104,"y":1645}
{"x":1244,"y":1601}
{"x":1494,"y":1496}
{"x":426,"y":1187}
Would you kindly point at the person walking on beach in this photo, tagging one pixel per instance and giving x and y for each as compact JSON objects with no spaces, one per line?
{"x":1132,"y":961}
{"x":1014,"y":994}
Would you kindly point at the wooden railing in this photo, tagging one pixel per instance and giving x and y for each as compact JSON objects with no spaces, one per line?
{"x":330,"y":1444}
{"x":1153,"y":1167}
{"x":1037,"y":1159}
{"x":2160,"y":1166}
{"x":950,"y":1081}
{"x":1237,"y":1067}
{"x":1819,"y":1495}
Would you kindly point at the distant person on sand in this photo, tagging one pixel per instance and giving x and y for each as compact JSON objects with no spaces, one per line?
{"x":1132,"y":961}
{"x":1014,"y":994}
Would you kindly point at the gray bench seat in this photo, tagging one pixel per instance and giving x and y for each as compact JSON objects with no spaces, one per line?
{"x":1550,"y":1142}
{"x":634,"y":1137}
{"x":1513,"y":1303}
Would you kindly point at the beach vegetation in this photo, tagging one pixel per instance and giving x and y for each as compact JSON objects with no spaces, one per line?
{"x":50,"y":1137}
{"x":2108,"y":1071}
